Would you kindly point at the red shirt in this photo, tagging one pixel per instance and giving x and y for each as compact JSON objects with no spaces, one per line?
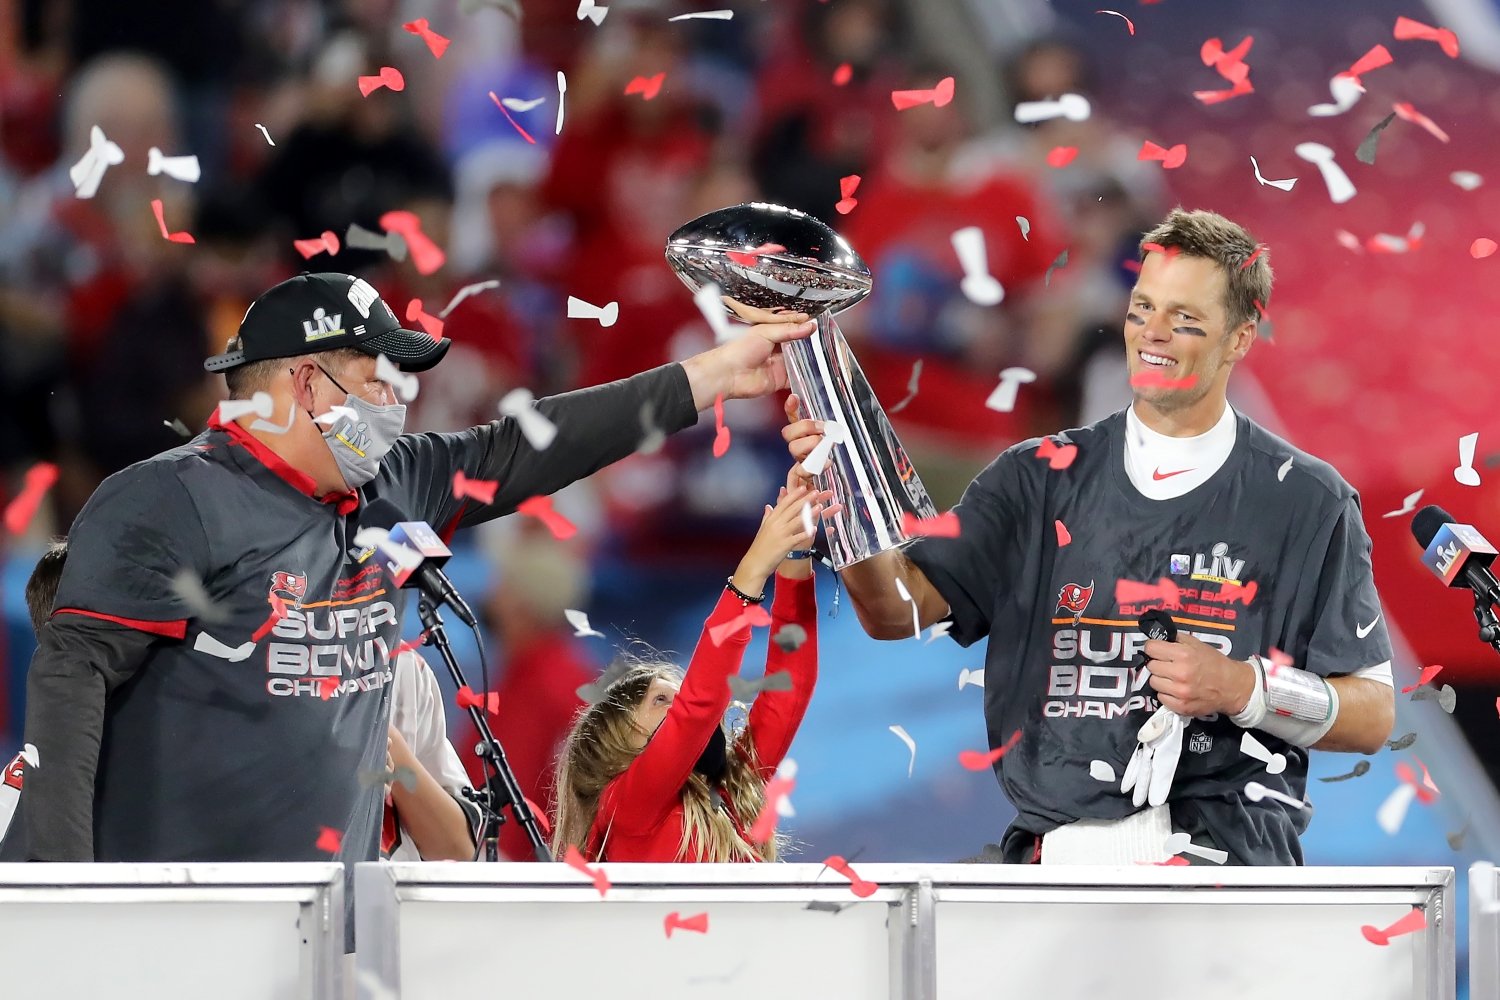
{"x":640,"y":811}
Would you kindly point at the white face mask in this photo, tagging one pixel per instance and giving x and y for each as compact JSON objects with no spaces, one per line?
{"x":360,"y":441}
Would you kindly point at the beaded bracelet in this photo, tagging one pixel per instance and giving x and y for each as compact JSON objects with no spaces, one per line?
{"x":737,"y":592}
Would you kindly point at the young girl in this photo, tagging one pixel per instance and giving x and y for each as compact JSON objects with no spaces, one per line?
{"x":650,"y":773}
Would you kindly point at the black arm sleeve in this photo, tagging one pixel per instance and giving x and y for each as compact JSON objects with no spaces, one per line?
{"x":595,"y":426}
{"x":79,"y":660}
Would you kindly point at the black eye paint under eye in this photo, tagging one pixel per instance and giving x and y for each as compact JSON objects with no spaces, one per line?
{"x":1191,"y":331}
{"x":1134,"y":319}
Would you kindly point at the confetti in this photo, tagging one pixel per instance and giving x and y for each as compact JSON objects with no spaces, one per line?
{"x":1164,"y":590}
{"x":911,"y":745}
{"x":847,"y":187}
{"x":944,"y":525}
{"x":748,"y":258}
{"x":357,"y":237}
{"x":206,"y":643}
{"x":259,"y":404}
{"x":186,"y":585}
{"x":517,"y":104}
{"x":1413,"y":921}
{"x":809,"y":526}
{"x":403,"y":775}
{"x":596,"y":690}
{"x":820,"y":906}
{"x":967,"y":677}
{"x":1060,"y":262}
{"x":1253,"y":258}
{"x":435,"y":42}
{"x":652,"y":436}
{"x":592,"y":11}
{"x":707,"y":299}
{"x":1346,"y":93}
{"x":1150,"y":379}
{"x":1255,"y":791}
{"x":1369,"y":144}
{"x":520,"y":406}
{"x":1182,"y":843}
{"x":1063,"y":537}
{"x":1100,"y":770}
{"x":697,"y":923}
{"x":1446,"y":697}
{"x":939,"y":95}
{"x":916,"y":616}
{"x":1283,"y":470}
{"x":1402,"y":742}
{"x":776,"y":801}
{"x":1407,"y":505}
{"x":580,"y":622}
{"x":540,"y":507}
{"x":263,"y":132}
{"x":1466,"y":179}
{"x":1407,"y":29}
{"x":1482,"y":247}
{"x":562,"y":89}
{"x":1466,"y":473}
{"x":606,"y":315}
{"x":31,"y":755}
{"x":1428,"y":673}
{"x":1170,"y":252}
{"x":721,"y":432}
{"x":911,"y":387}
{"x":19,"y":512}
{"x":1073,"y":107}
{"x":575,"y":860}
{"x":705,"y":15}
{"x":790,"y":637}
{"x":278,"y":612}
{"x":973,"y":760}
{"x":328,"y":687}
{"x":330,"y":840}
{"x":467,"y":697}
{"x":1252,"y":747}
{"x":88,"y":172}
{"x":389,"y":76}
{"x":405,"y":384}
{"x":858,"y":886}
{"x":1025,"y":225}
{"x":179,"y":427}
{"x":1374,"y":59}
{"x":465,"y":488}
{"x":161,"y":221}
{"x":326,"y":243}
{"x":514,"y":124}
{"x":647,"y":87}
{"x":1230,"y":65}
{"x":1170,"y":158}
{"x":744,"y":690}
{"x":978,"y":285}
{"x":182,"y":168}
{"x":1003,"y":397}
{"x":467,"y":291}
{"x":1057,"y":457}
{"x":1386,"y":243}
{"x":270,"y":428}
{"x":1455,"y":838}
{"x":1408,"y":113}
{"x":752,"y":615}
{"x":1128,"y":22}
{"x":1061,"y":156}
{"x":1392,"y":812}
{"x":425,"y":254}
{"x":1285,"y":185}
{"x":843,"y":74}
{"x":940,"y":629}
{"x":817,"y":459}
{"x":1361,"y":767}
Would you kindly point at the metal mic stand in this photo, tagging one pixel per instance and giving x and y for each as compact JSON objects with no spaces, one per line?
{"x":1489,"y":623}
{"x":500,"y":786}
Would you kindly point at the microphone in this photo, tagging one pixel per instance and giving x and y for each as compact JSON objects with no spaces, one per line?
{"x":1457,"y":553}
{"x":415,"y":556}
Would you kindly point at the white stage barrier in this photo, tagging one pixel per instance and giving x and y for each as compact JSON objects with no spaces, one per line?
{"x":171,"y":932}
{"x":955,"y":932}
{"x":1484,"y":933}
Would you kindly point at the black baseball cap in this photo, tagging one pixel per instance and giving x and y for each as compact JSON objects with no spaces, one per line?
{"x":321,"y":312}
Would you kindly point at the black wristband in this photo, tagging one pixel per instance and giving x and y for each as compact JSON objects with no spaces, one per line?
{"x":737,"y":592}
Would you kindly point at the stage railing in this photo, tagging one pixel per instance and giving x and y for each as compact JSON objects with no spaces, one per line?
{"x":956,"y":932}
{"x":1484,"y":933}
{"x":172,"y":932}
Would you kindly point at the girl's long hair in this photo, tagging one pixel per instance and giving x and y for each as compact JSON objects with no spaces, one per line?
{"x":600,"y":748}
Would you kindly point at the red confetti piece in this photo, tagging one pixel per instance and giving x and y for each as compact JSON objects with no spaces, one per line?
{"x":1170,"y":158}
{"x":327,"y":686}
{"x":161,"y":221}
{"x":1242,"y":592}
{"x":1176,"y":861}
{"x":721,"y":432}
{"x":1128,"y":22}
{"x":1156,"y":380}
{"x":765,"y":820}
{"x":1374,"y":59}
{"x":1057,"y":457}
{"x":482,"y":490}
{"x":541,"y":509}
{"x":411,"y":644}
{"x":1407,"y":112}
{"x":1219,"y":96}
{"x":647,"y":87}
{"x":1230,"y":65}
{"x":389,"y":76}
{"x":860,"y":887}
{"x":1253,"y":258}
{"x":1428,"y":673}
{"x":1133,"y":266}
{"x":945,"y":525}
{"x":843,"y":74}
{"x":575,"y":860}
{"x":939,"y":95}
{"x":20,"y":511}
{"x":278,"y":612}
{"x":1168,"y":252}
{"x":1063,"y":537}
{"x":1278,"y":658}
{"x":1061,"y":156}
{"x":1164,"y":590}
{"x":504,"y":111}
{"x":469,"y":698}
{"x":847,"y":187}
{"x":425,"y":254}
{"x":746,"y":258}
{"x":698,"y":923}
{"x":330,"y":840}
{"x":328,"y":241}
{"x":754,"y":615}
{"x":1413,"y":921}
{"x":1481,"y":248}
{"x":416,"y":314}
{"x":1262,"y":310}
{"x":541,"y":816}
{"x":436,"y":42}
{"x":1407,"y":29}
{"x":976,"y":761}
{"x":1426,"y":793}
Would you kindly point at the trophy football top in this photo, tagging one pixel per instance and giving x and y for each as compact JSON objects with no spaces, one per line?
{"x":770,"y":257}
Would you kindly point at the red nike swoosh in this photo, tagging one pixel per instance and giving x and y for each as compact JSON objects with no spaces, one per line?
{"x":1159,"y":475}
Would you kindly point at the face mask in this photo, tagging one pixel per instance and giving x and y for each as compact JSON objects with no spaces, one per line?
{"x":714,"y":760}
{"x":359,"y":442}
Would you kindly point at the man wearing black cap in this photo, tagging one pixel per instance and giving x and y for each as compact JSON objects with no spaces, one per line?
{"x":212,"y":682}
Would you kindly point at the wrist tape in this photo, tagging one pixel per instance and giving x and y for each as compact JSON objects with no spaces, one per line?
{"x":1295,"y":705}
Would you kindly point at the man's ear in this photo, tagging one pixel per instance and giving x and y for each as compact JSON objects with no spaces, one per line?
{"x":1240,"y":340}
{"x":301,"y":372}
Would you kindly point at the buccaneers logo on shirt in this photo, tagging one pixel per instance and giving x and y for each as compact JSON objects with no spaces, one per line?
{"x":289,"y":585}
{"x":1074,"y":598}
{"x":13,"y":772}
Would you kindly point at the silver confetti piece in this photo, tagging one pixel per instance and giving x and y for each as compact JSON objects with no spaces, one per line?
{"x":744,"y":690}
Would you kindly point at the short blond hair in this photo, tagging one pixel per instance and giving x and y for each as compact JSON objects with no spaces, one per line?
{"x":1213,"y":237}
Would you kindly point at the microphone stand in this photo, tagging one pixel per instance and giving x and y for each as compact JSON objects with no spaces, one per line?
{"x":1489,"y":623}
{"x":500,"y":786}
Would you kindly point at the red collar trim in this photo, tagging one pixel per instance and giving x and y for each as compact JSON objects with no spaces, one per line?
{"x":347,"y":500}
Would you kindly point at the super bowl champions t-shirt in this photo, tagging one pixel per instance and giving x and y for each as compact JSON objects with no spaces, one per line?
{"x":1055,"y":566}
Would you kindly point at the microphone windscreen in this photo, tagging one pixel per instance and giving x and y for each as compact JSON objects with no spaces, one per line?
{"x":1425,"y":525}
{"x":1157,"y":624}
{"x":383,"y":513}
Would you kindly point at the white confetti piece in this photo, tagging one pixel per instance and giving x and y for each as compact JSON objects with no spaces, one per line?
{"x":911,"y":745}
{"x":1407,"y":505}
{"x":1182,"y":843}
{"x":1255,"y":791}
{"x":263,"y":132}
{"x":1466,"y":473}
{"x":940,"y":629}
{"x":187,"y":586}
{"x":1025,"y":225}
{"x":89,"y":170}
{"x":260,"y":404}
{"x":1281,"y":472}
{"x":539,"y":432}
{"x":562,"y":88}
{"x":1249,"y":745}
{"x":1466,"y":179}
{"x":1346,"y":92}
{"x":965,"y":677}
{"x":606,"y":315}
{"x":1392,"y":812}
{"x":705,"y":15}
{"x":817,"y":459}
{"x":516,"y":104}
{"x":379,"y":538}
{"x":405,"y":384}
{"x":1340,"y":187}
{"x":31,"y":755}
{"x":1285,"y":185}
{"x":1100,"y":770}
{"x":592,"y":11}
{"x":206,"y":643}
{"x":712,"y":307}
{"x":261,"y":424}
{"x":809,"y":526}
{"x":978,"y":285}
{"x":335,"y":414}
{"x":916,"y":614}
{"x":465,"y":292}
{"x":1073,"y":107}
{"x":182,"y":168}
{"x":580,"y":622}
{"x":1003,"y":397}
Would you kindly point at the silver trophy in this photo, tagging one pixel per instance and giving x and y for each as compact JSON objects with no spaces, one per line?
{"x":778,"y":259}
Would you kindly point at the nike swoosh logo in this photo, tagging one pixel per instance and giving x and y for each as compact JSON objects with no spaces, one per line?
{"x":1363,"y":631}
{"x":1159,"y":475}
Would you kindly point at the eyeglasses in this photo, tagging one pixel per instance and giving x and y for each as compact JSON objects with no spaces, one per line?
{"x":384,"y":394}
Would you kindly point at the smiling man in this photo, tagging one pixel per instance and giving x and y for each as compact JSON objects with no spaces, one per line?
{"x":1176,"y":504}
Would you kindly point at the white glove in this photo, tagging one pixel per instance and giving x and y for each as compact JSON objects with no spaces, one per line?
{"x":1154,"y":762}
